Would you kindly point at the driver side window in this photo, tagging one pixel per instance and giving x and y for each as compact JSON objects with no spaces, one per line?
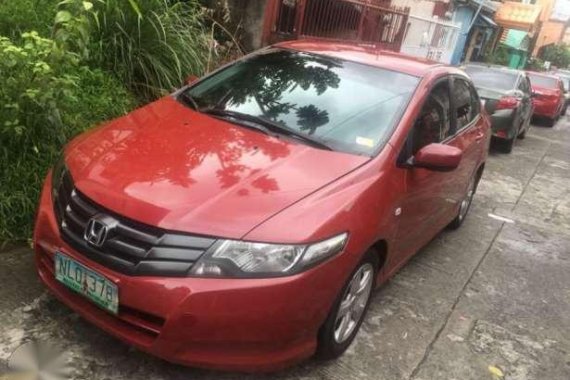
{"x":433,"y":123}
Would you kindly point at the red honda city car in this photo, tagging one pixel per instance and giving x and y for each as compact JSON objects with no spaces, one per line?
{"x":242,"y":222}
{"x":548,"y":96}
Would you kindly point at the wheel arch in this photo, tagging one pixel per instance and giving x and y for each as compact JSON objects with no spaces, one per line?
{"x":380,"y":247}
{"x":479,"y":171}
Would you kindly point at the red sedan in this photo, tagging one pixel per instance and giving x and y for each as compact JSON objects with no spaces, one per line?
{"x":243,"y":222}
{"x":548,"y":96}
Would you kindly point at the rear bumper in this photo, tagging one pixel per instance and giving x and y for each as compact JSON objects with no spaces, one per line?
{"x":230,"y":324}
{"x":545,"y":109}
{"x":503,"y":124}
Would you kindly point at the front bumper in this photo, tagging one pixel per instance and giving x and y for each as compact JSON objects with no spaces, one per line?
{"x":231,"y":324}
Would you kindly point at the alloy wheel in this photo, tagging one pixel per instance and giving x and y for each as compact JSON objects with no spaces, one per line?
{"x":353,"y":303}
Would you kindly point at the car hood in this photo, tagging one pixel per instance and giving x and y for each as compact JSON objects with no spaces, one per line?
{"x":168,"y":166}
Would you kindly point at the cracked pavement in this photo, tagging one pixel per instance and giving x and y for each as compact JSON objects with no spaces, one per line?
{"x":494,"y":293}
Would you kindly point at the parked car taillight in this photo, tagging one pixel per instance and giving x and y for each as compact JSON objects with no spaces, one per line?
{"x":507,"y":103}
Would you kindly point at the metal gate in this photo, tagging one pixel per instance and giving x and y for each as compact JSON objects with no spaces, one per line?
{"x":430,"y":38}
{"x":367,"y":21}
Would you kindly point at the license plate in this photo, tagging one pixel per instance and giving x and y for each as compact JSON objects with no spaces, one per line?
{"x":87,"y":282}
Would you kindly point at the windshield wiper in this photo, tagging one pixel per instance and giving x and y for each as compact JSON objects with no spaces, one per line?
{"x":268,"y":126}
{"x":238,"y":118}
{"x":188,"y":100}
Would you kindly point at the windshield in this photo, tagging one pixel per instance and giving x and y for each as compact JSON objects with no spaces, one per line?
{"x":542,"y":81}
{"x":490,"y":78}
{"x":348,"y":106}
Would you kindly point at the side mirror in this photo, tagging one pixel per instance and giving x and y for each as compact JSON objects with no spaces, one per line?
{"x":438,"y":157}
{"x":191,"y":79}
{"x":518,"y":94}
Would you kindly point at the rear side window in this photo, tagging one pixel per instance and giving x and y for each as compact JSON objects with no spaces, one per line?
{"x":466,"y":106}
{"x":543,"y":81}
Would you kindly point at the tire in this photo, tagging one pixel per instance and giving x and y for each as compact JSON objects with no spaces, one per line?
{"x":506,"y":146}
{"x":465,"y":204}
{"x":332,"y":340}
{"x":522,"y":135}
{"x":564,"y":110}
{"x":550,"y":122}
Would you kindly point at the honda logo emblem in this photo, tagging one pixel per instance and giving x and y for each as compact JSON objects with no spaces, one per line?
{"x":96,"y":232}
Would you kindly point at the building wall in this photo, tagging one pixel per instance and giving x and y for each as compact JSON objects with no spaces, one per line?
{"x":461,"y":16}
{"x":551,"y":32}
{"x":546,"y":6}
{"x":422,"y":8}
{"x":566,"y":38}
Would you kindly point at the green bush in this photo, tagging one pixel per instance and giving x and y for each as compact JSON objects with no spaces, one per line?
{"x":535,"y":64}
{"x":18,"y":16}
{"x":557,"y":55}
{"x":103,"y":57}
{"x":151,"y":45}
{"x":46,"y":96}
{"x":498,"y":57}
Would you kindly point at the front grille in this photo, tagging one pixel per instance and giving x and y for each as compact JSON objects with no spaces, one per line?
{"x":130,"y":247}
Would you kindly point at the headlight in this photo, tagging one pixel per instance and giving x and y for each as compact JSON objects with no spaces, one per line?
{"x":233,"y":258}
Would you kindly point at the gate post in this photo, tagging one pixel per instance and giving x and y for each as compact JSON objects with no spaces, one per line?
{"x":270,"y":19}
{"x":360,"y":31}
{"x":300,"y":18}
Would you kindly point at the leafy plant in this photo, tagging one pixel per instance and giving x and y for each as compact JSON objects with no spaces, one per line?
{"x":17,"y":16}
{"x":557,"y":55}
{"x":151,"y":45}
{"x":47,"y":97}
{"x":498,"y":57}
{"x":535,"y":64}
{"x":72,"y":26}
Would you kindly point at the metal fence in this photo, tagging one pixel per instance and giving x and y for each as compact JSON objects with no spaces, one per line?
{"x":430,"y":38}
{"x":367,"y":21}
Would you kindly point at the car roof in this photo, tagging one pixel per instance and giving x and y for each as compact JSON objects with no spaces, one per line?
{"x":541,"y":74}
{"x":561,"y":74}
{"x":495,"y":67}
{"x":366,"y":54}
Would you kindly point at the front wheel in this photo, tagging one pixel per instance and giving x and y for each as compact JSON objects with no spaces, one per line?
{"x":465,"y":204}
{"x":347,"y":314}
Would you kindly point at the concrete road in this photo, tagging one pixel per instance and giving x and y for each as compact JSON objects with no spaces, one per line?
{"x":494,"y":293}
